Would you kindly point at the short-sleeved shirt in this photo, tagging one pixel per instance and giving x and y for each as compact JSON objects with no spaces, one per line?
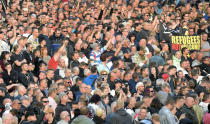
{"x":52,"y":64}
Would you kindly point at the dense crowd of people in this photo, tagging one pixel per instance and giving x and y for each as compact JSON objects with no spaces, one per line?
{"x":103,"y":62}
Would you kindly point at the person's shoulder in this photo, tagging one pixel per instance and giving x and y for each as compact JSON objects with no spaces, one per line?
{"x":21,"y":74}
{"x":163,"y":111}
{"x":86,"y":79}
{"x":13,"y":55}
{"x":81,"y":119}
{"x":114,"y":115}
{"x":30,"y":37}
{"x":62,"y":122}
{"x":184,"y":108}
{"x":136,"y":54}
{"x":28,"y":122}
{"x":99,"y":65}
{"x":3,"y":42}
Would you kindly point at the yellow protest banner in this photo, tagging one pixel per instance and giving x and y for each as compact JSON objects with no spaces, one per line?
{"x":190,"y":42}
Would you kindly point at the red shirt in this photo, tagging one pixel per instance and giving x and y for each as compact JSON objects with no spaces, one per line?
{"x":52,"y":64}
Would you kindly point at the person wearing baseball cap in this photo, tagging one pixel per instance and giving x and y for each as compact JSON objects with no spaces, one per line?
{"x":63,"y":105}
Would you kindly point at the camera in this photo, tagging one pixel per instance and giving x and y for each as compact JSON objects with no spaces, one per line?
{"x":8,"y":106}
{"x":126,"y":84}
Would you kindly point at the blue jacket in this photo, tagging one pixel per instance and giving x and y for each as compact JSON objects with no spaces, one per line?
{"x":132,"y":86}
{"x":89,"y":80}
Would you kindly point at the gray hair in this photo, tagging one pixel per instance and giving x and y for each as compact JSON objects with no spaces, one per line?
{"x":9,"y":117}
{"x":86,"y":72}
{"x":165,"y":85}
{"x":160,"y":82}
{"x":75,"y":69}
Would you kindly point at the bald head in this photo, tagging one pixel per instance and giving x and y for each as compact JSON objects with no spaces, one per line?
{"x":63,"y":115}
{"x":189,"y":102}
{"x":8,"y":118}
{"x":7,"y":100}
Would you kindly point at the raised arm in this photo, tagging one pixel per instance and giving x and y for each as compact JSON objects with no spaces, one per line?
{"x":60,"y":50}
{"x":118,"y":49}
{"x":14,"y":35}
{"x":109,"y":42}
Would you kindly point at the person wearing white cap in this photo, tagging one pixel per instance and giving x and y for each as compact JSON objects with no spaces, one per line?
{"x":140,"y":90}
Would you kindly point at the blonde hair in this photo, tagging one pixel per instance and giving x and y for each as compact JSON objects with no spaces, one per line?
{"x":120,"y":104}
{"x":156,"y":117}
{"x":98,"y":91}
{"x":99,"y":112}
{"x":103,"y":72}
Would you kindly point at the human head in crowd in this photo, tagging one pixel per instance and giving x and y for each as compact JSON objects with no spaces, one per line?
{"x":90,"y":61}
{"x":64,"y":117}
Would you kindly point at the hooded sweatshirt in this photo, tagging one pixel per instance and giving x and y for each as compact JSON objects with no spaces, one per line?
{"x":121,"y":117}
{"x":81,"y":119}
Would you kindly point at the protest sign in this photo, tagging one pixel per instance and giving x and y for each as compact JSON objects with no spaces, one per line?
{"x":190,"y":42}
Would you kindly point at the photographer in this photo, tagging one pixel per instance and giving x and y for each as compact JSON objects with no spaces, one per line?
{"x":33,"y":115}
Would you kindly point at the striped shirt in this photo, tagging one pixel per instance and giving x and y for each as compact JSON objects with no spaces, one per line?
{"x":95,"y":55}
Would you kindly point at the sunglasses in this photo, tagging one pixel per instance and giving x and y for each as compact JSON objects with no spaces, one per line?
{"x":45,"y":101}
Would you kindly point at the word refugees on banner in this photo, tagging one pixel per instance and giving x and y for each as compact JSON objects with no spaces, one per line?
{"x":190,"y":42}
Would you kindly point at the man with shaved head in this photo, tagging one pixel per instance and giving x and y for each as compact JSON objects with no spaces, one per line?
{"x":65,"y":118}
{"x":188,"y":110}
{"x":8,"y":118}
